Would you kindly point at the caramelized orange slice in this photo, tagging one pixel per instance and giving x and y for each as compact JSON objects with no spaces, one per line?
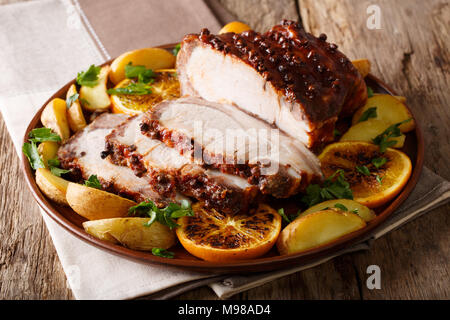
{"x":372,"y":187}
{"x":212,"y":236}
{"x":165,"y":87}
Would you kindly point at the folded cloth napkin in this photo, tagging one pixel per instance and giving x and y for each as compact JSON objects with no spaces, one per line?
{"x":44,"y":44}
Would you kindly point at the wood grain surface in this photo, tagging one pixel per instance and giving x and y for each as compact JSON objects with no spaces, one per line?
{"x":410,"y":52}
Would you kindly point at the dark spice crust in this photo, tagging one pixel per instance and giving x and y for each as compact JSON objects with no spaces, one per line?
{"x":279,"y":185}
{"x":307,"y":70}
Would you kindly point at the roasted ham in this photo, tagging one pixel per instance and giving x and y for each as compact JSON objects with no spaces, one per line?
{"x":169,"y":172}
{"x":286,"y":76}
{"x":82,"y":154}
{"x":222,"y":137}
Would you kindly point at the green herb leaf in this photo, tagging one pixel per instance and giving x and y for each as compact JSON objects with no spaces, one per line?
{"x":31,"y":152}
{"x":43,"y":134}
{"x":369,"y":92}
{"x":355,"y":211}
{"x":382,"y":140}
{"x":378,"y":162}
{"x":143,"y":74}
{"x":53,"y":164}
{"x":93,"y":182}
{"x":336,"y":133}
{"x":176,"y":49}
{"x":283,"y":215}
{"x":134,"y":88}
{"x":341,"y":206}
{"x":70,"y":100}
{"x":89,"y":78}
{"x":163,"y":253}
{"x":84,"y":102}
{"x":164,"y":216}
{"x":334,"y":187}
{"x":369,"y":113}
{"x":363,"y":170}
{"x":379,"y":179}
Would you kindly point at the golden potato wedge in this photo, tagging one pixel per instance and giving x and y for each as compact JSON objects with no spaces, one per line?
{"x":54,"y":117}
{"x":365,"y":213}
{"x":131,"y":233}
{"x":402,"y":99}
{"x":48,"y":150}
{"x":235,"y":27}
{"x":75,"y":113}
{"x":53,"y":187}
{"x":95,"y":204}
{"x":96,"y":98}
{"x":151,"y":58}
{"x":363,"y":66}
{"x":316,"y":229}
{"x":389,"y":109}
{"x":367,"y":130}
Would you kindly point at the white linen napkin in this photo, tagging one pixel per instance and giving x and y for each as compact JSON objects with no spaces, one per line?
{"x":38,"y":57}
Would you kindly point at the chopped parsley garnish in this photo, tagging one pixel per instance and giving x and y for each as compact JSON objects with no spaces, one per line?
{"x":93,"y":182}
{"x":163,"y":253}
{"x":383,"y":139}
{"x":43,"y":134}
{"x":379,"y":179}
{"x":363,"y":170}
{"x":334,"y":187}
{"x":341,"y":206}
{"x":283,"y":215}
{"x":336,"y":133}
{"x":141,"y":73}
{"x":165,"y":215}
{"x":89,"y":78}
{"x":70,"y":100}
{"x":30,"y":150}
{"x":176,"y":49}
{"x":369,"y":113}
{"x":134,"y":88}
{"x":53,"y":164}
{"x":369,"y":92}
{"x":378,"y":162}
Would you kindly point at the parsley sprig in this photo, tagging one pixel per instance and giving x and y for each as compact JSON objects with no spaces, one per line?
{"x":89,"y":78}
{"x":43,"y":134}
{"x":53,"y":165}
{"x":369,"y":113}
{"x":143,"y":74}
{"x":93,"y":182}
{"x":369,"y":92}
{"x":159,"y":252}
{"x":165,"y":215}
{"x":176,"y":49}
{"x":70,"y":100}
{"x":30,"y":149}
{"x":384,"y":140}
{"x":134,"y":88}
{"x":140,"y":86}
{"x":334,"y":187}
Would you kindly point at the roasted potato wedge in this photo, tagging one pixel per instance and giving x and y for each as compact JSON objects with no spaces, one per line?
{"x":316,"y":229}
{"x":96,"y":98}
{"x":54,"y":117}
{"x":75,"y":113}
{"x":402,"y":99}
{"x":389,"y":109}
{"x":48,"y":150}
{"x":365,"y":213}
{"x":369,"y":129}
{"x":95,"y":204}
{"x":53,"y":187}
{"x":131,"y":233}
{"x":151,"y":58}
{"x":363,"y":66}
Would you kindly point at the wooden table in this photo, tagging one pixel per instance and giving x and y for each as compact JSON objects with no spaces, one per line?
{"x":410,"y":52}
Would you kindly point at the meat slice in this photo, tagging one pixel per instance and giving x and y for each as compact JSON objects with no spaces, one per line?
{"x":82,"y":154}
{"x":169,"y":172}
{"x":228,"y":139}
{"x":285,"y":76}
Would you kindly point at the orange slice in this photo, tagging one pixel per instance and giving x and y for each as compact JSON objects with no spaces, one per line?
{"x":367,"y":189}
{"x":212,"y":236}
{"x":236,"y":27}
{"x":165,"y":87}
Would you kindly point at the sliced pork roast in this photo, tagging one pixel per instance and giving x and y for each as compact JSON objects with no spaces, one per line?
{"x":220,"y":136}
{"x":169,"y":172}
{"x":82,"y":154}
{"x":285,"y":76}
